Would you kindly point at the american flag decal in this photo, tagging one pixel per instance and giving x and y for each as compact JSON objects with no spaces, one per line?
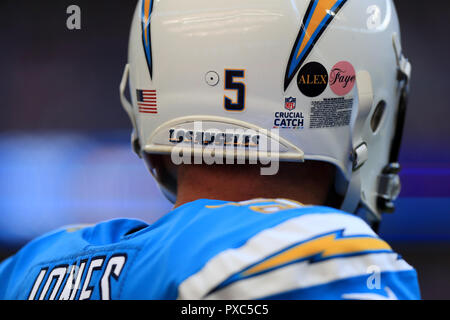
{"x":146,"y":100}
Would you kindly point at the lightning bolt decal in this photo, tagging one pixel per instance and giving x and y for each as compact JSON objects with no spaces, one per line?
{"x":319,"y":249}
{"x":323,"y":247}
{"x":147,"y":8}
{"x":318,"y":16}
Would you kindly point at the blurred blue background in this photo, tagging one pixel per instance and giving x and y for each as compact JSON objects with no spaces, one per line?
{"x":64,"y":139}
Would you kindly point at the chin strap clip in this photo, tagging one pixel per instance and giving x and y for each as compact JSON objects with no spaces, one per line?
{"x":360,"y":151}
{"x":403,"y":64}
{"x":389,"y":188}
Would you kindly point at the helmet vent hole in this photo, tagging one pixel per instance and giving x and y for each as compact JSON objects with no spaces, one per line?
{"x":377,"y":116}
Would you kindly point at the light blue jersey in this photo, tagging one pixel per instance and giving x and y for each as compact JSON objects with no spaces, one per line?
{"x":209,"y":249}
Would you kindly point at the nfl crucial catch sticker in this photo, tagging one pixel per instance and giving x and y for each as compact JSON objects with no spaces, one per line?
{"x":290,"y":103}
{"x":290,"y":118}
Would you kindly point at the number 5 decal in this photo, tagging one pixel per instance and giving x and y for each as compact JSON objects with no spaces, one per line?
{"x":239,"y":87}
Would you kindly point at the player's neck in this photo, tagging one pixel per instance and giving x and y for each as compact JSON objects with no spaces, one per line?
{"x":240,"y":183}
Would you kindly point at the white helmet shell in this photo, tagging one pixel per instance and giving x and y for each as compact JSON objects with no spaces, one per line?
{"x":324,"y":73}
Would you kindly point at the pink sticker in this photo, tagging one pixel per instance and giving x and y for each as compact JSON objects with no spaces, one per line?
{"x":342,"y":78}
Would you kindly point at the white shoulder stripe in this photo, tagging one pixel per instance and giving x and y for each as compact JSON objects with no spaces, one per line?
{"x":265,"y":243}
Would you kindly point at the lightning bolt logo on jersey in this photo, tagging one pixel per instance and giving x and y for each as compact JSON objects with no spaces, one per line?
{"x":208,"y":249}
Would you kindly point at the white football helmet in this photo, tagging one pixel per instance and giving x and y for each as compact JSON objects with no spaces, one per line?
{"x":329,"y":75}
